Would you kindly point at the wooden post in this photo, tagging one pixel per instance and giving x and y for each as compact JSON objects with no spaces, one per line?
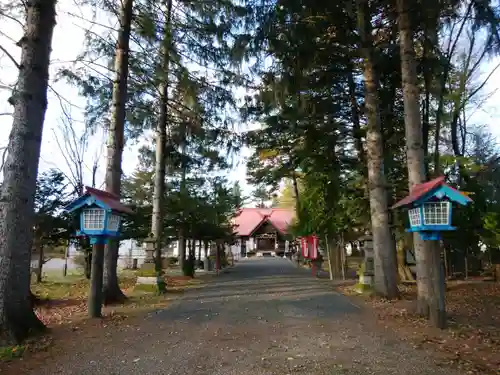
{"x":96,"y":281}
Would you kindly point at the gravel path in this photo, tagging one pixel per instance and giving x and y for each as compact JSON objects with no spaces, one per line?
{"x":262,"y":317}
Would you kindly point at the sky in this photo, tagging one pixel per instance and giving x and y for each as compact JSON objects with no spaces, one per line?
{"x":68,"y":42}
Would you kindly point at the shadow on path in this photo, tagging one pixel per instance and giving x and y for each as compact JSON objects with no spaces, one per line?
{"x":263,"y":317}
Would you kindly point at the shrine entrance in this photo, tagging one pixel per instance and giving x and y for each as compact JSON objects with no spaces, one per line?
{"x":267,"y":240}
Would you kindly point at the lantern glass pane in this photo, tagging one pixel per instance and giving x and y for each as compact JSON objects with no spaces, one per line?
{"x":113,"y":222}
{"x":93,"y":218}
{"x":414,"y":215}
{"x":437,"y":213}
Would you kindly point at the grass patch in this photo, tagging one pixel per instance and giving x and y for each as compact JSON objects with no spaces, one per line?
{"x":363,"y":289}
{"x":64,"y":300}
{"x":147,"y":273}
{"x":11,"y":352}
{"x":70,"y":287}
{"x":148,"y":288}
{"x":64,"y":307}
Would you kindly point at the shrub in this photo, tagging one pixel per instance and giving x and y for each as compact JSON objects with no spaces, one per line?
{"x":171,"y":261}
{"x":10,"y":352}
{"x":188,"y":267}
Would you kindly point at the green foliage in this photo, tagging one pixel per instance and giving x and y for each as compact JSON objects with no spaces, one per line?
{"x":310,"y":105}
{"x":52,"y":225}
{"x":11,"y":352}
{"x":145,"y":273}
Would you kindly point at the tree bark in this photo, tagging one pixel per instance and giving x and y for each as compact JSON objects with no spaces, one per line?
{"x":206,"y":265}
{"x":329,"y":258}
{"x":160,"y":162}
{"x":385,"y":267}
{"x":296,"y":191}
{"x":111,"y":288}
{"x":199,"y":251}
{"x":181,"y":233}
{"x":17,"y":319}
{"x":430,"y":300}
{"x":40,"y":264}
{"x":356,"y":123}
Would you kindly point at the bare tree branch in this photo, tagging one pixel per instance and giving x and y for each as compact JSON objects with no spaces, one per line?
{"x":5,"y":87}
{"x":11,"y":58}
{"x":4,"y":151}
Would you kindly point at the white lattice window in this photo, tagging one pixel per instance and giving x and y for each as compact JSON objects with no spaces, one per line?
{"x":113,"y":222}
{"x":414,"y":215}
{"x":93,"y":219}
{"x":437,"y":213}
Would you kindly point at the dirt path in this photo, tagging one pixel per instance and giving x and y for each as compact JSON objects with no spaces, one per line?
{"x":263,"y":317}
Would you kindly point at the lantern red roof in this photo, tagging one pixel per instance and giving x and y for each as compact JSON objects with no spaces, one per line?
{"x":420,"y":190}
{"x":109,"y":199}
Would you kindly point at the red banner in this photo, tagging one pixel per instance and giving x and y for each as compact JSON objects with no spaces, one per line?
{"x":313,"y":254}
{"x":309,"y":246}
{"x":305,"y":247}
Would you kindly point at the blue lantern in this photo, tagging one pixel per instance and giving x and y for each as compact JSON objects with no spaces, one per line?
{"x":100,"y":214}
{"x":430,"y":206}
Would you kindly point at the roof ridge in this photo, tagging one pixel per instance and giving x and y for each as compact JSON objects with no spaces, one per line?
{"x":92,"y":190}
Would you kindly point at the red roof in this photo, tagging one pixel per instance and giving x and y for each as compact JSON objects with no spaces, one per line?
{"x":109,"y":199}
{"x":420,"y":190}
{"x":249,"y":219}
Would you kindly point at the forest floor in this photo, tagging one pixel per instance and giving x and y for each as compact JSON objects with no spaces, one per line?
{"x":262,"y":317}
{"x":62,"y":306}
{"x":472,"y":339}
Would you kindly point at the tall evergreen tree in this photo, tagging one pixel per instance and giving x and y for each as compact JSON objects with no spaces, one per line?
{"x":29,"y":99}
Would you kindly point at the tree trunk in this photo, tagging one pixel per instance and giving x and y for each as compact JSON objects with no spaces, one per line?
{"x":296,"y":191}
{"x":356,"y":123}
{"x":385,"y":267}
{"x":182,"y":239}
{"x":329,"y":258}
{"x":182,"y":248}
{"x":161,"y":142}
{"x":206,"y":264}
{"x":497,"y":272}
{"x":40,"y":264}
{"x":342,"y":256}
{"x":429,"y":302}
{"x":111,"y":289}
{"x":17,"y":319}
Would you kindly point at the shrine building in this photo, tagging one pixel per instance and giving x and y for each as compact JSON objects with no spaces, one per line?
{"x":263,"y":231}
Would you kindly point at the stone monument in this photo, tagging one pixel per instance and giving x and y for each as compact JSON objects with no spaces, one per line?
{"x":367,"y":270}
{"x":149,"y":249}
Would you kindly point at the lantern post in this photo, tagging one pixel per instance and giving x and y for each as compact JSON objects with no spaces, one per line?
{"x":429,"y":208}
{"x":100,"y":215}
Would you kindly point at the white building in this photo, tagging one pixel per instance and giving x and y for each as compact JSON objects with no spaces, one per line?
{"x":131,"y":252}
